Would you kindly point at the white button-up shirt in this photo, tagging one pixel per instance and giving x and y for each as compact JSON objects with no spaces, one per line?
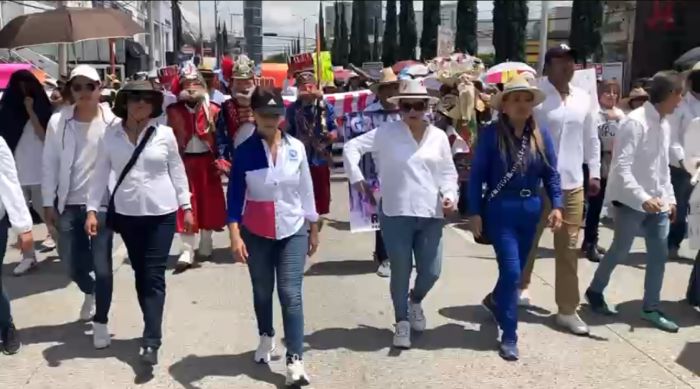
{"x":12,"y":200}
{"x":155,"y":185}
{"x":573,"y":128}
{"x":414,"y":177}
{"x":687,"y":110}
{"x":640,"y":169}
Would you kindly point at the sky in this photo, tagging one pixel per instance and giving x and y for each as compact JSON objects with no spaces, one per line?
{"x":286,"y":17}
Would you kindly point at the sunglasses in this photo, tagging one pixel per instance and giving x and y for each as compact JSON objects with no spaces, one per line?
{"x":90,"y":87}
{"x":417,"y":106}
{"x":135,"y":97}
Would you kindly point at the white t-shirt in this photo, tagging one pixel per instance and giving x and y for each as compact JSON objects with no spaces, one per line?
{"x":83,"y":163}
{"x":28,"y":156}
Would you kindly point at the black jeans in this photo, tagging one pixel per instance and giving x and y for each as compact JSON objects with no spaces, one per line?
{"x":147,"y":240}
{"x":379,"y":250}
{"x":680,"y":179}
{"x":5,"y":313}
{"x":595,"y":207}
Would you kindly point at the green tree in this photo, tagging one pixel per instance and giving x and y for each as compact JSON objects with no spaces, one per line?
{"x":359,"y":43}
{"x":509,"y":30}
{"x":465,"y":38}
{"x":408,"y":37}
{"x":389,"y":40}
{"x":276,"y":58}
{"x":585,"y":35}
{"x":431,"y":21}
{"x":336,"y":33}
{"x":375,"y":45}
{"x":344,"y":39}
{"x":321,"y":27}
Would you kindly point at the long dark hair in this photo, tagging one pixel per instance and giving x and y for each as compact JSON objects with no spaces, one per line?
{"x":509,"y":147}
{"x":13,"y":115}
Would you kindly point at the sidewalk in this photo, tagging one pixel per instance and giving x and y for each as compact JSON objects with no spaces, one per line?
{"x":210,"y":331}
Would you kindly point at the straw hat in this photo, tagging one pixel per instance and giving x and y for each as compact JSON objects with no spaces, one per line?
{"x":412,"y":89}
{"x":635,"y":94}
{"x":388,"y":77}
{"x":517,"y":84}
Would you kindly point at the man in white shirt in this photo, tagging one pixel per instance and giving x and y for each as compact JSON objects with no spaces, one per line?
{"x":640,"y":190}
{"x":70,"y":152}
{"x":687,"y":110}
{"x":568,"y":114}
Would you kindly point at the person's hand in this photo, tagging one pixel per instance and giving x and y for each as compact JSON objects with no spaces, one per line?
{"x":652,"y":205}
{"x":313,"y":242}
{"x":555,"y":219}
{"x":188,"y":221}
{"x":29,"y":104}
{"x":25,"y":241}
{"x":50,"y":216}
{"x":672,"y":213}
{"x":91,"y":224}
{"x":475,"y":224}
{"x":593,"y":187}
{"x":447,"y":207}
{"x":240,"y":252}
{"x":365,"y":190}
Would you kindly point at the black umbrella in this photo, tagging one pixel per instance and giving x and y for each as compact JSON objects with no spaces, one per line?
{"x":688,"y":60}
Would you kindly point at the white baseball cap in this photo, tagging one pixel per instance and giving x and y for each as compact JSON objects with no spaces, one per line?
{"x":86,"y":71}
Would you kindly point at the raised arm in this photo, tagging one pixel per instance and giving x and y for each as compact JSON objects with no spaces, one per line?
{"x":353,"y":150}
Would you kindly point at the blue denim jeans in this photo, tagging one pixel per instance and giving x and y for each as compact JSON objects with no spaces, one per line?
{"x":285,"y":259}
{"x":512,"y":229}
{"x":84,"y":255}
{"x":655,"y":228}
{"x":5,"y":313}
{"x":148,"y":240}
{"x":406,"y":237}
{"x":680,"y":179}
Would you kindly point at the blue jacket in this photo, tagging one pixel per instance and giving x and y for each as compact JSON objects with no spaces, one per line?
{"x":317,"y":156}
{"x":488,"y":167}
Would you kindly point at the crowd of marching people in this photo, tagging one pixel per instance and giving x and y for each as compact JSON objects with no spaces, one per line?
{"x":149,"y":162}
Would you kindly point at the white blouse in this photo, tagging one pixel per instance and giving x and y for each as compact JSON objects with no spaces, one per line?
{"x":414,"y":177}
{"x":157,"y":183}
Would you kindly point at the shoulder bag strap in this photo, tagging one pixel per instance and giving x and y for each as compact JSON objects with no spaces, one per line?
{"x":132,"y":160}
{"x":516,"y":165}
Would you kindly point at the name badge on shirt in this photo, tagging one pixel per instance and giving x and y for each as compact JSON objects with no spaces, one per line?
{"x":293,"y":155}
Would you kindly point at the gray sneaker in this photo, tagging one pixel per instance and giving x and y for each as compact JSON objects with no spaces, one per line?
{"x":384,"y":269}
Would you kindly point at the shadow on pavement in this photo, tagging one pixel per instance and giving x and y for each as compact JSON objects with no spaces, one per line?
{"x":629,"y":312}
{"x":690,"y":357}
{"x":339,"y":225}
{"x":193,"y":368}
{"x":372,"y":339}
{"x":342,"y":268}
{"x":76,"y":343}
{"x":49,"y":275}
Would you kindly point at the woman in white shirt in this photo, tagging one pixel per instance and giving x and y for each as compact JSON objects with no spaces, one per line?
{"x":419,"y":185}
{"x":13,"y":205}
{"x":144,"y":202}
{"x":274,"y":226}
{"x":25,"y":111}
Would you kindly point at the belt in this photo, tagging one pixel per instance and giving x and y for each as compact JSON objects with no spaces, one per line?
{"x":522,"y":192}
{"x":197,"y":154}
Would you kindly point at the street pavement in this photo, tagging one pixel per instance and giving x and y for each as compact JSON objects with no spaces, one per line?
{"x":210,"y":331}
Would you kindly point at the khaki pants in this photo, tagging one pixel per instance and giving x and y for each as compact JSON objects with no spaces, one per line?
{"x":565,"y":251}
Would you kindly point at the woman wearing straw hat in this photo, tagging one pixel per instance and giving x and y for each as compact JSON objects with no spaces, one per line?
{"x":151,"y":187}
{"x":419,"y":186}
{"x":636,"y":99}
{"x":512,"y":157}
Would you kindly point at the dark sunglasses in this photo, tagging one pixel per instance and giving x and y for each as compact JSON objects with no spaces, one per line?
{"x":417,"y":106}
{"x":90,"y":87}
{"x":135,"y":97}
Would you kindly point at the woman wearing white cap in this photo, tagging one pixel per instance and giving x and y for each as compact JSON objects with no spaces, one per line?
{"x":419,"y":186}
{"x":512,"y":157}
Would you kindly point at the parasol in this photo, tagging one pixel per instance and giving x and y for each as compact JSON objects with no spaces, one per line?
{"x":399,"y":66}
{"x":67,"y":25}
{"x":504,"y":72}
{"x":688,"y":59}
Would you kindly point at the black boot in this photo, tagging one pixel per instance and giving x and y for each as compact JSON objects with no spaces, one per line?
{"x":10,"y":340}
{"x":590,"y":251}
{"x":149,"y":356}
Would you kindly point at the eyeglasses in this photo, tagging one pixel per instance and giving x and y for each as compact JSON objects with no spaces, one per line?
{"x":135,"y":97}
{"x":417,"y":106}
{"x":90,"y":87}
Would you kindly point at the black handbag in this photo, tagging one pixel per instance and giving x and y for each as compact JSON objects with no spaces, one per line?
{"x":519,"y":158}
{"x":110,"y":219}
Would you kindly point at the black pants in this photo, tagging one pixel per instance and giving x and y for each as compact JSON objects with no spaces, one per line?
{"x":594,"y":208}
{"x":379,"y":250}
{"x":148,"y":240}
{"x":693,"y":293}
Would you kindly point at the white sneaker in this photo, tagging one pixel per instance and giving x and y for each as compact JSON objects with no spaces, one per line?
{"x":524,"y":298}
{"x":416,"y":316}
{"x":296,"y":375}
{"x":185,"y":259}
{"x":384,"y":269}
{"x":402,"y":335}
{"x":573,"y":323}
{"x":25,"y":265}
{"x":48,"y":243}
{"x":100,"y":336}
{"x":87,"y":311}
{"x":265,"y":348}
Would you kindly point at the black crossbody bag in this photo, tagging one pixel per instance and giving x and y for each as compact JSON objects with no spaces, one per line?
{"x":111,"y":212}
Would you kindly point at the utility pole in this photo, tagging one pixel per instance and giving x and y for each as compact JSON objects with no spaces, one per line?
{"x":62,"y":52}
{"x":151,"y":33}
{"x":201,"y":36}
{"x":544,"y":29}
{"x":216,"y":28}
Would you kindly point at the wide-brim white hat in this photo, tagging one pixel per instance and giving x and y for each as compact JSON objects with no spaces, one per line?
{"x":412,"y":89}
{"x":517,"y":84}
